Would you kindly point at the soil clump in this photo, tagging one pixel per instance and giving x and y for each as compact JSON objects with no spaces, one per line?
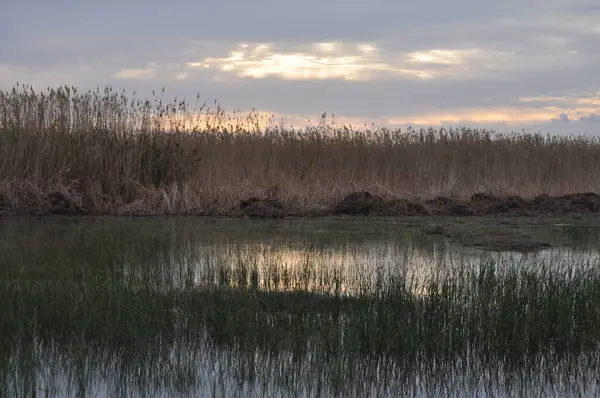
{"x":359,"y":203}
{"x":480,"y":204}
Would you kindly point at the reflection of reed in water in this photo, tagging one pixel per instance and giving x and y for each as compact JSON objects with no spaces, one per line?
{"x":141,"y":312}
{"x":348,"y":269}
{"x":504,"y":324}
{"x":209,"y":369}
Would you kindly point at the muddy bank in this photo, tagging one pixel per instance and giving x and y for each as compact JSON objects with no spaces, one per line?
{"x":480,"y":204}
{"x":40,"y":204}
{"x":493,"y":237}
{"x":361,"y":203}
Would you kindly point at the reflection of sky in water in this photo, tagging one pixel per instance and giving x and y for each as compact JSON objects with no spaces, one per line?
{"x":208,"y":371}
{"x":352,"y":265}
{"x":348,"y":267}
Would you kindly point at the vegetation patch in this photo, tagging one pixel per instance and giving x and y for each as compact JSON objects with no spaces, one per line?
{"x":63,"y":151}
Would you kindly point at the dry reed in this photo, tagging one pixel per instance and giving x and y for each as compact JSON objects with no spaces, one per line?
{"x":120,"y":155}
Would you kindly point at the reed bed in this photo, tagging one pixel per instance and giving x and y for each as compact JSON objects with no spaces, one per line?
{"x":117,"y":154}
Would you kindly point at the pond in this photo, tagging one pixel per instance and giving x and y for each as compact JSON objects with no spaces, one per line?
{"x":322,"y":307}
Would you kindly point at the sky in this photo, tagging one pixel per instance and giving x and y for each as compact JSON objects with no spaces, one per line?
{"x":510,"y":65}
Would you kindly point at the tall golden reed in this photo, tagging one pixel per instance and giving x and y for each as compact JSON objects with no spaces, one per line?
{"x":116,"y":153}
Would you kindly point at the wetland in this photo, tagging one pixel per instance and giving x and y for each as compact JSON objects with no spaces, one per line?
{"x":333,"y":306}
{"x":326,"y":261}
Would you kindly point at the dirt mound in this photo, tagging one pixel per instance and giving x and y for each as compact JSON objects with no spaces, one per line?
{"x":582,"y":202}
{"x":480,"y":204}
{"x":399,"y":207}
{"x":543,"y":204}
{"x":36,"y":203}
{"x":59,"y":203}
{"x":442,"y":205}
{"x":261,"y":208}
{"x":358,"y":203}
{"x":485,"y":204}
{"x":32,"y":201}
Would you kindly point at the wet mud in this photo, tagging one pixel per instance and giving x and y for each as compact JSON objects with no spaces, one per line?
{"x":360,"y":203}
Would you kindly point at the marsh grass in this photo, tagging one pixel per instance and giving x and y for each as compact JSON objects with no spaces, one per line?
{"x":511,"y":324}
{"x":121,"y":155}
{"x":84,"y":302}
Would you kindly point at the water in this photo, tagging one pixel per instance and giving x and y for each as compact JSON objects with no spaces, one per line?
{"x":191,"y":307}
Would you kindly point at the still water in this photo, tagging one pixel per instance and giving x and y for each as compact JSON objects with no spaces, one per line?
{"x":330,"y":307}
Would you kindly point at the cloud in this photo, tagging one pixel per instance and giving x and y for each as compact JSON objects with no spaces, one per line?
{"x":482,"y":116}
{"x":586,"y":119}
{"x":510,"y":63}
{"x":135,"y":73}
{"x":334,"y":60}
{"x":563,"y":117}
{"x":591,"y":118}
{"x":574,"y":100}
{"x":437,"y":57}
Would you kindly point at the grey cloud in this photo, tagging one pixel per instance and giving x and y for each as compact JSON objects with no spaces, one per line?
{"x":135,"y":27}
{"x":563,"y":117}
{"x":591,"y":118}
{"x":401,"y":97}
{"x":530,"y":49}
{"x":262,"y":20}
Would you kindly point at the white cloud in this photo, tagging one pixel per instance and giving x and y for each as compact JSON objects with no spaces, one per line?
{"x":181,"y":76}
{"x":466,"y":61}
{"x":440,"y":57}
{"x":586,"y":99}
{"x":147,"y":73}
{"x":337,"y":60}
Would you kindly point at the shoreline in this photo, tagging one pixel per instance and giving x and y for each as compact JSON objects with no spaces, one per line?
{"x":360,"y":203}
{"x":72,"y":153}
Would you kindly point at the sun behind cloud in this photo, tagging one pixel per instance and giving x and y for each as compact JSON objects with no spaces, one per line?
{"x":334,"y":60}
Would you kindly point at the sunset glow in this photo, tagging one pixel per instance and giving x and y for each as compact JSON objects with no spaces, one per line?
{"x":330,"y":60}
